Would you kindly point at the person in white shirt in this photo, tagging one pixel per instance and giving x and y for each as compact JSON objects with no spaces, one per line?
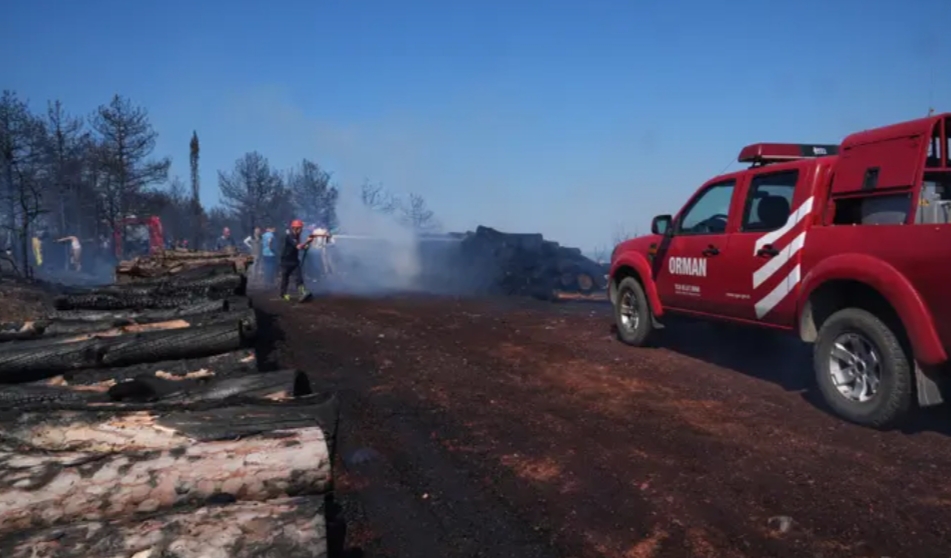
{"x":320,"y":240}
{"x":75,"y":252}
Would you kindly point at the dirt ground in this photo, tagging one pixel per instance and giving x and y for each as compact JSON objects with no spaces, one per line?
{"x":523,"y":429}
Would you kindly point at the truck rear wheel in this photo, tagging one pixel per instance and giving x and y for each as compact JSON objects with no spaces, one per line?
{"x":632,"y":313}
{"x":862,"y":369}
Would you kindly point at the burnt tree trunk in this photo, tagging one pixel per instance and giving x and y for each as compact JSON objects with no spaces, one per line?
{"x":223,"y":365}
{"x":120,"y":302}
{"x":36,"y":363}
{"x":141,"y":317}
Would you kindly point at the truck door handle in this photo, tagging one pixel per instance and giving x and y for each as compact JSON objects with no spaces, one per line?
{"x":711,"y":250}
{"x":767,"y":251}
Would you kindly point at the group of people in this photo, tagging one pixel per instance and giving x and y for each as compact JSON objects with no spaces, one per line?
{"x":288,"y":255}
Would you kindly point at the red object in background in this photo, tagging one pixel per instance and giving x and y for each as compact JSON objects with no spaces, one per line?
{"x":124,"y":246}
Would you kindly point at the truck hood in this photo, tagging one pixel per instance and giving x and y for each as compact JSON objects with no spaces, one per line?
{"x":640,"y":244}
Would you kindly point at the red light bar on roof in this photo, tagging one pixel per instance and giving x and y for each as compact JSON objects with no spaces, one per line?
{"x":765,"y":153}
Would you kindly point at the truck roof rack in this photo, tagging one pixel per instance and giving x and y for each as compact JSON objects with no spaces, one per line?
{"x":760,"y":154}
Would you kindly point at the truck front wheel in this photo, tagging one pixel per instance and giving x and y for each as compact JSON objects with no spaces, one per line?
{"x":632,"y":313}
{"x":862,"y":369}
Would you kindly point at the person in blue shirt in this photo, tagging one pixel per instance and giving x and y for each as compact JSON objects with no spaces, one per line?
{"x":268,"y":256}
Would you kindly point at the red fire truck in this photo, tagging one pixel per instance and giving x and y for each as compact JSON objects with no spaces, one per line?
{"x":847,"y":246}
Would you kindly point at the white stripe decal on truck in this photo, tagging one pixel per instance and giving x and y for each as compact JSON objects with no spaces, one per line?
{"x":777,"y":295}
{"x":787,"y":253}
{"x":793,"y":220}
{"x":776,"y":262}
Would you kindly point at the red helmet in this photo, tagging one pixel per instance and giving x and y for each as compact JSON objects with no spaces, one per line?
{"x":297,"y":224}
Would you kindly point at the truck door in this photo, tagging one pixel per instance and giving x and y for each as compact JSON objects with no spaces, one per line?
{"x":691,"y":257}
{"x":765,"y":250}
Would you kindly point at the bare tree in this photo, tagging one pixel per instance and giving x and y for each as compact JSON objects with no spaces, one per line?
{"x":127,"y":141}
{"x":375,"y":197}
{"x":313,"y":194}
{"x":196,"y":209}
{"x":416,"y":214}
{"x":622,"y":233}
{"x":22,"y":139}
{"x":601,"y":254}
{"x":250,"y":188}
{"x":173,"y":205}
{"x":65,"y":150}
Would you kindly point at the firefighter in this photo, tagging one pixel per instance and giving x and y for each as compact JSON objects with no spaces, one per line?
{"x":290,"y":259}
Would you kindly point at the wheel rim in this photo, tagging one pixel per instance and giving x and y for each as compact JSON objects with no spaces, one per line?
{"x":855,"y":367}
{"x":629,"y":317}
{"x":585,"y":282}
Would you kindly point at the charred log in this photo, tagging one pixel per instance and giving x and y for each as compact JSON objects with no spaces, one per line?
{"x":119,"y":317}
{"x":199,"y":270}
{"x":45,"y":341}
{"x":29,"y":364}
{"x":16,"y":331}
{"x":223,"y":365}
{"x":119,"y":302}
{"x":281,"y":527}
{"x":238,"y":303}
{"x":276,"y":386}
{"x":71,"y":332}
{"x":167,"y":345}
{"x":35,"y":363}
{"x":200,"y":391}
{"x":200,"y":255}
{"x":226,"y":285}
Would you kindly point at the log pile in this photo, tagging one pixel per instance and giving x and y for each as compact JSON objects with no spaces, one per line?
{"x":508,"y":263}
{"x":136,"y":423}
{"x":181,"y":264}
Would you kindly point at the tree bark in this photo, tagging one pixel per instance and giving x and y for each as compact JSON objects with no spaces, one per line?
{"x":151,"y":269}
{"x":140,"y":317}
{"x":120,"y":302}
{"x":192,"y":270}
{"x":228,"y":285}
{"x":86,"y":470}
{"x":238,"y":303}
{"x":32,"y":364}
{"x":225,"y":365}
{"x":275,"y":386}
{"x":168,"y":345}
{"x":161,"y":392}
{"x":82,"y":331}
{"x":201,"y":255}
{"x":283,"y":527}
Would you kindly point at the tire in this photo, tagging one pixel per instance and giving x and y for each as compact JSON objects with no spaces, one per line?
{"x":638,"y":335}
{"x":893,"y":400}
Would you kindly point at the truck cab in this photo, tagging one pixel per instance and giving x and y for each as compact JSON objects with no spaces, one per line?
{"x":847,"y":246}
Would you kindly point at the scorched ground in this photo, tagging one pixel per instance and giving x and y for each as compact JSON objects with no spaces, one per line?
{"x":522,"y":428}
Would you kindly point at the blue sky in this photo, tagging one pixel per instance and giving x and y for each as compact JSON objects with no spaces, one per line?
{"x":565,"y":117}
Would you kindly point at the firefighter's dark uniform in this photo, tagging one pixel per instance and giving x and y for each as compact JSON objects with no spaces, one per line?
{"x":290,"y":263}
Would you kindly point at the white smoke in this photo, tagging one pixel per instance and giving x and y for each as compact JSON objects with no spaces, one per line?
{"x":386,"y":260}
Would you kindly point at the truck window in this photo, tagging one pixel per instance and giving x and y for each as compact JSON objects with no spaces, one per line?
{"x":769,"y":201}
{"x":708,"y":213}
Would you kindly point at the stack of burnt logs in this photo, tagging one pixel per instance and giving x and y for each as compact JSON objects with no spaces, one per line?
{"x":135,"y":423}
{"x":509,"y":263}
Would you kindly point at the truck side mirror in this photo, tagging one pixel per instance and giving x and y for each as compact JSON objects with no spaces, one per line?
{"x":662,"y":224}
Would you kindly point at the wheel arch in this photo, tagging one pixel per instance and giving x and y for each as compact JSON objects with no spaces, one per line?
{"x":636,"y":266}
{"x":861,"y":281}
